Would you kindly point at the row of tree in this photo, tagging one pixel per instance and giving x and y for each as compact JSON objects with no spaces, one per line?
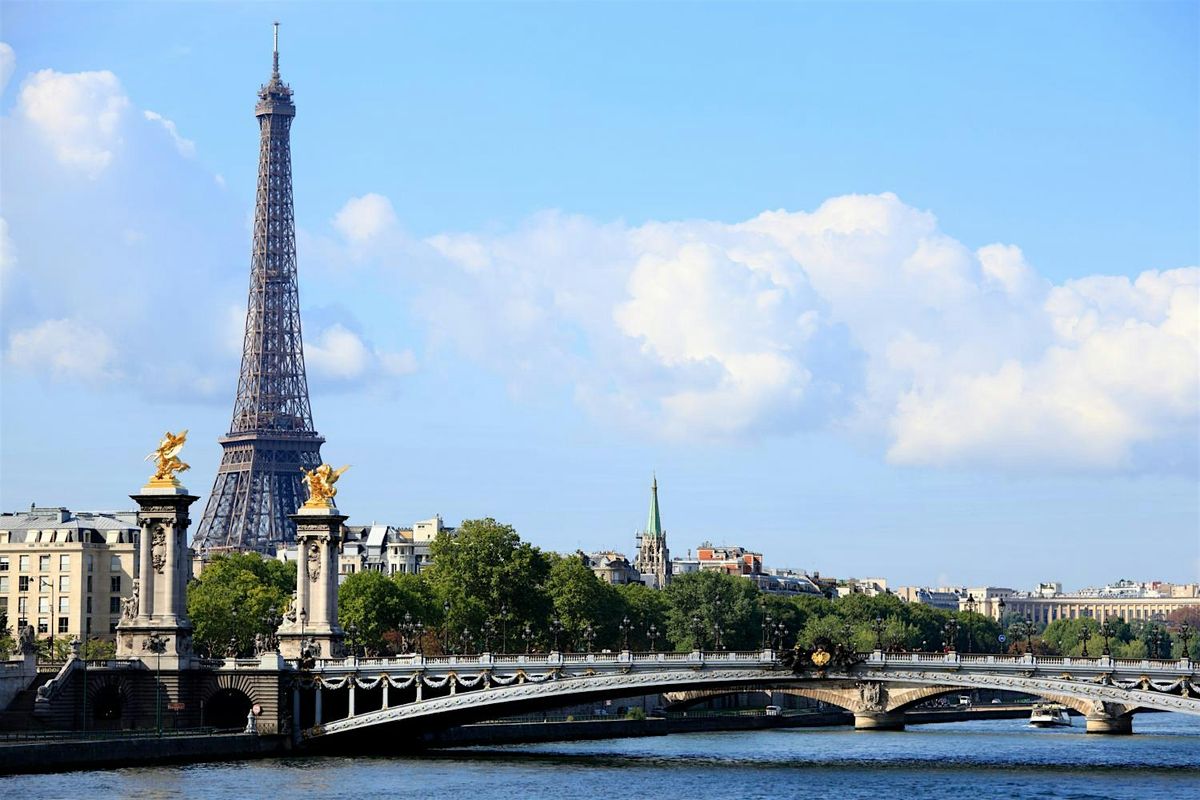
{"x":488,"y":590}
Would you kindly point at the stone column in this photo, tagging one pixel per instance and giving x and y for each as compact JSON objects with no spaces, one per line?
{"x":318,"y":534}
{"x":1109,"y":718}
{"x":157,"y":616}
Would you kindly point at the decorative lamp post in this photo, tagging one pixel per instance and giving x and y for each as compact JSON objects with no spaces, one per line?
{"x":1085,"y":633}
{"x":1029,"y":634}
{"x":446,"y":626}
{"x":1001,"y":606}
{"x":1185,"y":636}
{"x":697,"y":632}
{"x":781,"y":631}
{"x":877,"y":627}
{"x":952,"y":636}
{"x":352,"y":637}
{"x":503,"y":627}
{"x":652,"y":635}
{"x":1154,"y":648}
{"x":527,"y":635}
{"x":1105,"y":634}
{"x":589,"y":636}
{"x":556,"y":628}
{"x":717,"y":631}
{"x":766,"y":628}
{"x":464,"y":639}
{"x":626,"y":627}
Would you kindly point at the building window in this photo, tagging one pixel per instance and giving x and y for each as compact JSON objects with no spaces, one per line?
{"x":116,"y":583}
{"x":89,"y":604}
{"x":45,"y":583}
{"x":43,"y":563}
{"x":64,"y":583}
{"x":23,"y":563}
{"x":89,"y":584}
{"x":4,"y":606}
{"x":64,"y":563}
{"x":22,"y":606}
{"x":3,"y":583}
{"x":43,"y":625}
{"x":91,"y":562}
{"x":114,"y":605}
{"x":64,"y":605}
{"x":114,"y":564}
{"x":112,"y":626}
{"x":3,"y":563}
{"x":88,"y":624}
{"x":43,"y":605}
{"x":62,"y":624}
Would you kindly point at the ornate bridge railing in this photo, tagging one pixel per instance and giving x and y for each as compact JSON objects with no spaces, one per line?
{"x":875,"y":685}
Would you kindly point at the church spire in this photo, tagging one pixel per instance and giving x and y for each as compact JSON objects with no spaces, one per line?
{"x":654,"y":525}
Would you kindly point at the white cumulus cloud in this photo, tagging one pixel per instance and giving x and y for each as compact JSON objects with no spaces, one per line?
{"x":63,"y":348}
{"x":861,"y":315}
{"x":339,"y":355}
{"x":186,"y":147}
{"x":8,"y":62}
{"x":364,"y":218}
{"x":79,"y":115}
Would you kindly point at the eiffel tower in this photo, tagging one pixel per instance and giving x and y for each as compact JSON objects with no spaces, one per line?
{"x":271,"y":436}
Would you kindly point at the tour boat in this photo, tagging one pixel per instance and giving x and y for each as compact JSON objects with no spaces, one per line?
{"x":1049,"y":715}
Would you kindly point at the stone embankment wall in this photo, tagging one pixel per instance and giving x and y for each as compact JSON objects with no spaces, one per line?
{"x":59,"y":755}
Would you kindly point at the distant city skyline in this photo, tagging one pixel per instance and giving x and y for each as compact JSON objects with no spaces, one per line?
{"x":874,"y":291}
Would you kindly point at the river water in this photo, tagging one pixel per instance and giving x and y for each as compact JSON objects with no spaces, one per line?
{"x":965,"y":761}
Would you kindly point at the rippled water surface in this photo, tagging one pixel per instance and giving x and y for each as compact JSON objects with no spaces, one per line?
{"x":973,"y":760}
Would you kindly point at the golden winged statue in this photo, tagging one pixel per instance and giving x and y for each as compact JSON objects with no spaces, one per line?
{"x":320,"y":483}
{"x":166,"y":458}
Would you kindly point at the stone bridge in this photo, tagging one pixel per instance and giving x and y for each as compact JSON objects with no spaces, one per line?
{"x":351,"y":698}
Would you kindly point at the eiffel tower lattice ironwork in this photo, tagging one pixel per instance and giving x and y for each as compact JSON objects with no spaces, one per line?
{"x":271,"y":436}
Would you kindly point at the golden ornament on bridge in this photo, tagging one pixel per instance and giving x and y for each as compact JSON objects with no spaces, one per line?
{"x":166,"y":461}
{"x":821,"y":657}
{"x":320,"y":483}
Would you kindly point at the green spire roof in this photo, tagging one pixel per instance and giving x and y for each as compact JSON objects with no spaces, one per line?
{"x":654,"y":525}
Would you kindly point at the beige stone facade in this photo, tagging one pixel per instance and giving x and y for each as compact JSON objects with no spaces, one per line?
{"x":1045,"y":610}
{"x":67,"y":573}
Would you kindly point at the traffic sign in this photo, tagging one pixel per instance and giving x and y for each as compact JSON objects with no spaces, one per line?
{"x":1002,"y":638}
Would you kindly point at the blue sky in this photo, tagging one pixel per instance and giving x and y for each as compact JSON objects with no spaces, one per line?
{"x":886,"y":289}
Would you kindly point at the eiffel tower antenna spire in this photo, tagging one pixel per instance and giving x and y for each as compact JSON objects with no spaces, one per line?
{"x":271,"y":435}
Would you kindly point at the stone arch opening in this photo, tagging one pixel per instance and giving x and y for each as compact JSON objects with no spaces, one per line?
{"x":107,"y":706}
{"x":227,"y":708}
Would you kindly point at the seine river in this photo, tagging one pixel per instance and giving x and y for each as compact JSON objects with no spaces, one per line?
{"x":965,"y":761}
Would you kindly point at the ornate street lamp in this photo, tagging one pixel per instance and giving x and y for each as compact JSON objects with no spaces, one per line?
{"x":488,"y":632}
{"x":717,"y":631}
{"x":697,"y":632}
{"x":556,"y":628}
{"x":951,"y":636}
{"x":465,"y":641}
{"x":781,"y":631}
{"x":589,"y":635}
{"x":877,"y":626}
{"x":1085,"y":633}
{"x":446,"y":626}
{"x":1105,"y":634}
{"x":1029,"y":633}
{"x":1185,"y":636}
{"x":527,"y":635}
{"x":652,"y":635}
{"x":352,"y":636}
{"x":1154,"y":650}
{"x":503,"y":627}
{"x":766,"y":628}
{"x":626,"y":627}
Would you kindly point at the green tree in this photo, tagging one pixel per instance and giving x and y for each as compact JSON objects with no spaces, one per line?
{"x":231,"y":600}
{"x":373,"y":604}
{"x":7,"y":645}
{"x":700,"y":601}
{"x":579,"y":598}
{"x":645,"y":607}
{"x":482,"y":568}
{"x":978,"y":633}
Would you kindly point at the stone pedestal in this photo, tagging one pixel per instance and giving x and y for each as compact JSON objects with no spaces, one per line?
{"x":1121,"y":725}
{"x":878,"y":721}
{"x":314,"y":613}
{"x":154,"y":623}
